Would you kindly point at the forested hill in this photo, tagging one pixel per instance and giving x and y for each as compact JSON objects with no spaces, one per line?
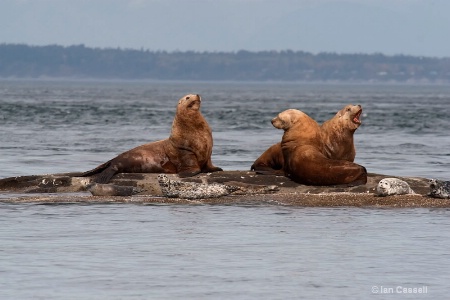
{"x":22,"y":61}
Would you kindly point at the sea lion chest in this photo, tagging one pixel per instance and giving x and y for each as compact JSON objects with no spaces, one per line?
{"x":193,"y":135}
{"x":338,"y":144}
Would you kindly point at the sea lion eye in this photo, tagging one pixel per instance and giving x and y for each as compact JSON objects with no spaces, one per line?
{"x":187,"y":98}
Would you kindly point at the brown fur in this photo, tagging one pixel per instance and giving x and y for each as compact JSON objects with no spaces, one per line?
{"x":187,"y":151}
{"x":337,"y":133}
{"x":270,"y":162}
{"x":305,"y":161}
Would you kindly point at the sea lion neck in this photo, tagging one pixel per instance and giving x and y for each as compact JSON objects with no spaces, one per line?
{"x":190,"y":121}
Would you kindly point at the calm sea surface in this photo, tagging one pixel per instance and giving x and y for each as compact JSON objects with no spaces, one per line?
{"x":219,"y":252}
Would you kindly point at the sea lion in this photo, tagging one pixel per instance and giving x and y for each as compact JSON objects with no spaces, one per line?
{"x":193,"y":190}
{"x":98,"y":189}
{"x":336,"y":133}
{"x":187,"y":151}
{"x":392,"y":186}
{"x":439,"y":189}
{"x":303,"y":150}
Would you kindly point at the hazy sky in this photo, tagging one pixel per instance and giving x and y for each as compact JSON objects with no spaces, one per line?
{"x":412,"y":27}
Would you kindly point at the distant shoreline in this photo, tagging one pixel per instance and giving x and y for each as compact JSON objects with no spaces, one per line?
{"x":231,"y":82}
{"x":78,"y":62}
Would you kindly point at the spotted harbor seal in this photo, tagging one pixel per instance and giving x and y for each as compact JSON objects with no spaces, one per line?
{"x":304,"y":159}
{"x":193,"y":190}
{"x":336,"y":134}
{"x":187,"y":151}
{"x":439,"y":189}
{"x":98,"y":189}
{"x":392,"y":186}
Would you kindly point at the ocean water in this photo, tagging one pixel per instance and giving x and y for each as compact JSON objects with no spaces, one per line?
{"x":215,"y":252}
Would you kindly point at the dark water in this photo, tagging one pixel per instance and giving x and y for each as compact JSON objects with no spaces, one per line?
{"x":218,"y":252}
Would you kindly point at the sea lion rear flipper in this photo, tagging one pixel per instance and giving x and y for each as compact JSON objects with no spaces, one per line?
{"x":96,"y":170}
{"x":106,"y":175}
{"x":101,"y":174}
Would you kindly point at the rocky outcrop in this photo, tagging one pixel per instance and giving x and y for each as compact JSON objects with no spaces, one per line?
{"x":68,"y":188}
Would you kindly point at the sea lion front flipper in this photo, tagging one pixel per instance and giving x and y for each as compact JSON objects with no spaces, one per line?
{"x":188,"y":166}
{"x":212,"y":169}
{"x":209,"y":167}
{"x":267,"y":171}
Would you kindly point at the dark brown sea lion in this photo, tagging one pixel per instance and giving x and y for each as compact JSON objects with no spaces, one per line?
{"x":337,"y":134}
{"x":303,"y":152}
{"x":187,"y":151}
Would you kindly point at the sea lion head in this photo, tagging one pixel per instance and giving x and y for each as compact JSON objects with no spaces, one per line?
{"x":189,"y":103}
{"x":289,"y":118}
{"x":188,"y":115}
{"x":350,"y":116}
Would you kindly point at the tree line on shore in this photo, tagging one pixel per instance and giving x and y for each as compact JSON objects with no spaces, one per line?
{"x":78,"y":61}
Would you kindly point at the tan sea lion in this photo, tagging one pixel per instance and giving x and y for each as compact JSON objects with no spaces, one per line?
{"x":187,"y":151}
{"x":303,"y":152}
{"x":337,"y":133}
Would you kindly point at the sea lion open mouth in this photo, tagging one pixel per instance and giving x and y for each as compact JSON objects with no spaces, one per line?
{"x":356,"y":118}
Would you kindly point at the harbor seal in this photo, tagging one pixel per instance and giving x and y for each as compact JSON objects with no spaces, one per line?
{"x":337,"y":133}
{"x":187,"y":151}
{"x":98,"y":189}
{"x":193,"y":190}
{"x":439,"y":189}
{"x":392,"y":186}
{"x":304,"y":158}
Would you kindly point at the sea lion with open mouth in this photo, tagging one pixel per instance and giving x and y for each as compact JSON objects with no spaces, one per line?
{"x":305,"y":161}
{"x":336,"y":133}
